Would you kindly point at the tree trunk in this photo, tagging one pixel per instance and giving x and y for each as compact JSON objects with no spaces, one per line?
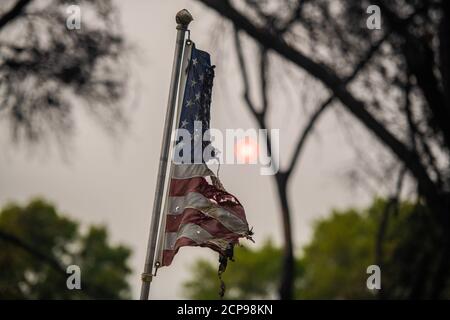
{"x":440,"y":279}
{"x":441,"y":276}
{"x":287,"y":276}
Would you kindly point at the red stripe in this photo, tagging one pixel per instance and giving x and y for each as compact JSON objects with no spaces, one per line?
{"x":181,"y":187}
{"x":168,"y":255}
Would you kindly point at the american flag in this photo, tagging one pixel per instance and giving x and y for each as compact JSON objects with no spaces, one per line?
{"x":199,"y":212}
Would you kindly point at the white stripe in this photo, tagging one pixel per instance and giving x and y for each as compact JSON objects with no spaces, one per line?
{"x":186,"y":171}
{"x":191,"y":231}
{"x":171,"y":238}
{"x":191,"y":200}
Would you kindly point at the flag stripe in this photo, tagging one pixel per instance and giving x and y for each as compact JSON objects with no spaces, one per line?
{"x":191,"y":231}
{"x":186,"y":171}
{"x":197,"y":201}
{"x":183,"y":242}
{"x":181,"y":187}
{"x":213,"y":226}
{"x":169,"y":254}
{"x":179,"y":203}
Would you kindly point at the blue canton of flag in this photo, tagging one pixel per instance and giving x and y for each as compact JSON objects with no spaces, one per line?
{"x":195,"y":110}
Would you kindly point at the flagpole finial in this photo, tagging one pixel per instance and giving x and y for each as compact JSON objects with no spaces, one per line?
{"x":183,"y":18}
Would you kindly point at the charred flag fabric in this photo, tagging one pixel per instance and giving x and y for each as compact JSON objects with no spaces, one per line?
{"x":199,"y":212}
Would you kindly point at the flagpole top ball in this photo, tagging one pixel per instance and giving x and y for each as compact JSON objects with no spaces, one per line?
{"x":183,"y":18}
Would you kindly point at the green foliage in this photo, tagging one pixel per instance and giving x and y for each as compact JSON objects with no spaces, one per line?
{"x":333,"y":265}
{"x":337,"y":257}
{"x":255,"y":273}
{"x":27,"y":274}
{"x":411,"y":254}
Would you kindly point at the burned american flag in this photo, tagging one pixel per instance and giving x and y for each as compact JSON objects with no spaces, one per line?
{"x":198,"y":210}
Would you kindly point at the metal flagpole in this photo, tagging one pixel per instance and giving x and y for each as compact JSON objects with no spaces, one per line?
{"x":183,"y":18}
{"x":181,"y":87}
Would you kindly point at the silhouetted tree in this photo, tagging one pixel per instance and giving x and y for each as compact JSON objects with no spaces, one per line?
{"x":255,"y":276}
{"x":333,"y":264}
{"x":37,"y":244}
{"x":394,"y":81}
{"x":47,"y":70}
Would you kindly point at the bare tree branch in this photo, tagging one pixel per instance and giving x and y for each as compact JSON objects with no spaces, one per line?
{"x":12,"y":239}
{"x":44,"y":258}
{"x":263,"y":70}
{"x":420,"y":59}
{"x":316,"y":115}
{"x":13,"y":13}
{"x":286,"y":286}
{"x":392,"y":207}
{"x":333,"y":82}
{"x":244,"y":75}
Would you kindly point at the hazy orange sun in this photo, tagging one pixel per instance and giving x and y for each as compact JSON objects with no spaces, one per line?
{"x":247,"y":150}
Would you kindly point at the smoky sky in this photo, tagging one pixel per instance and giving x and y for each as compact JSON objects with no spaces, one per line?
{"x":111,"y":182}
